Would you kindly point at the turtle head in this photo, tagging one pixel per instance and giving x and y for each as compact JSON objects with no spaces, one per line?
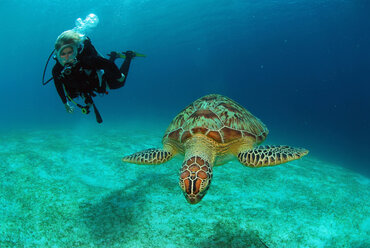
{"x":195,"y":178}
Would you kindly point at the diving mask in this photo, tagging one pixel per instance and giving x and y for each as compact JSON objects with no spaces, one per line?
{"x":67,"y":54}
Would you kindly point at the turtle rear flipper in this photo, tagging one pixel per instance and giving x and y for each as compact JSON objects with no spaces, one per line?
{"x":149,"y":156}
{"x":270,"y":155}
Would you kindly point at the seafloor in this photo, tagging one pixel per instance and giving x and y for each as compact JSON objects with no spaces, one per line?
{"x":69,"y":188}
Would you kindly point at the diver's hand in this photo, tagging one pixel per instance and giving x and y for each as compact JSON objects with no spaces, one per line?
{"x":68,"y":108}
{"x":113,"y":56}
{"x":130,"y":54}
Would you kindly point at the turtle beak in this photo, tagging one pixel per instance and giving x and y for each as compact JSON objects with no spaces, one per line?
{"x":195,"y":198}
{"x":195,"y":179}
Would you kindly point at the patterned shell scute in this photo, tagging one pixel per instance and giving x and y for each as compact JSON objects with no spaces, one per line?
{"x":218,"y":117}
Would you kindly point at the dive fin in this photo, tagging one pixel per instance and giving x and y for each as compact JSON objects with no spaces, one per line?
{"x":123,"y":55}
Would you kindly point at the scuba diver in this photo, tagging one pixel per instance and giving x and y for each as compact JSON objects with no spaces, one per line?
{"x":81,"y":71}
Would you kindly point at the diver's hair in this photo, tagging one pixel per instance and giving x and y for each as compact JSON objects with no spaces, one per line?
{"x":68,"y":37}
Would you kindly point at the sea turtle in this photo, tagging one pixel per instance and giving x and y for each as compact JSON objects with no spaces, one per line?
{"x":209,"y":132}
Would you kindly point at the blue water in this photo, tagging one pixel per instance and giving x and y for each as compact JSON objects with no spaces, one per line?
{"x":302,"y":67}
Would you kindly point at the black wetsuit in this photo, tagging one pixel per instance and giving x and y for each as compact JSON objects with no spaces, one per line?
{"x":84,"y":79}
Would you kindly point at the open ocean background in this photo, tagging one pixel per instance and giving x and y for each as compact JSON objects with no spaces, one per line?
{"x":302,"y":67}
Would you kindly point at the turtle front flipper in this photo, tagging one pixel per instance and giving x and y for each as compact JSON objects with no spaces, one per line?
{"x":149,"y":156}
{"x":270,"y":155}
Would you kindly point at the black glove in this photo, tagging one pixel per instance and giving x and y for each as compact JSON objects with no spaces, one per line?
{"x":112,"y":56}
{"x":130,"y":54}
